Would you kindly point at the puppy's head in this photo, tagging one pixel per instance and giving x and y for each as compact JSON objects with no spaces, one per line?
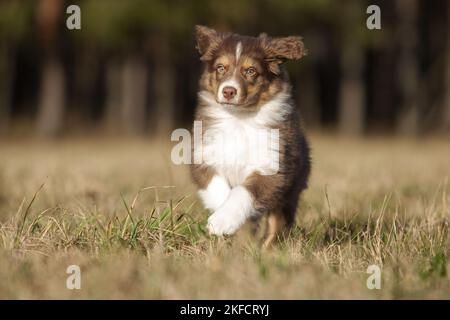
{"x":244,"y":72}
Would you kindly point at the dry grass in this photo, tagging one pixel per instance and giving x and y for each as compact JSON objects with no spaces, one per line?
{"x":375,"y":201}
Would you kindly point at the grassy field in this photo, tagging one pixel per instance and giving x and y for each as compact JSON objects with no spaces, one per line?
{"x":131,"y":220}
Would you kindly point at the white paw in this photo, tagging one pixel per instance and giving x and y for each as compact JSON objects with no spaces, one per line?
{"x":222,"y":223}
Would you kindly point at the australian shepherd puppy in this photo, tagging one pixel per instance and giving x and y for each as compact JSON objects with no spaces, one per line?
{"x":253,"y":158}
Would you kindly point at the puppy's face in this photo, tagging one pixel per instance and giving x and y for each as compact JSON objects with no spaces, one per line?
{"x":244,"y":72}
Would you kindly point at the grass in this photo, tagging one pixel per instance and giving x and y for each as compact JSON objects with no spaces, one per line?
{"x":130,"y":219}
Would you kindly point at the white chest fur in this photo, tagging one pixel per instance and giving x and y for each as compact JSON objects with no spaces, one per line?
{"x":238,"y":144}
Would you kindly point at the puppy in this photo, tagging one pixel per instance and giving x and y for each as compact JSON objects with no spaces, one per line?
{"x":253,"y":158}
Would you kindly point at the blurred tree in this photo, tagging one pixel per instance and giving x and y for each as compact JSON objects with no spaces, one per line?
{"x":114,"y":34}
{"x":15,"y":17}
{"x":53,"y":82}
{"x":133,"y":65}
{"x":352,"y":91}
{"x":381,"y":82}
{"x":139,"y":38}
{"x":408,"y":67}
{"x":303,"y":18}
{"x":446,"y":101}
{"x":134,"y":79}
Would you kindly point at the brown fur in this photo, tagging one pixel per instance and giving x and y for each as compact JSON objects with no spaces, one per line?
{"x":202,"y":175}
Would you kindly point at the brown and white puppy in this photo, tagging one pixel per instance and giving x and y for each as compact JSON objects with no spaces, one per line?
{"x":244,"y":93}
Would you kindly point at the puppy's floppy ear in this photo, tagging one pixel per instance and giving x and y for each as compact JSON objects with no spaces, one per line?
{"x":207,"y":41}
{"x":278,"y":50}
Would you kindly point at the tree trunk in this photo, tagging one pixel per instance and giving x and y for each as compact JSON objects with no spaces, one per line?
{"x":352,"y":95}
{"x":351,"y":112}
{"x":163,"y":109}
{"x":446,"y":102}
{"x":85,"y":84}
{"x":53,"y":85}
{"x":52,"y":99}
{"x":134,"y":94}
{"x":308,"y":100}
{"x":113,"y":98}
{"x":408,"y":68}
{"x":7,"y":74}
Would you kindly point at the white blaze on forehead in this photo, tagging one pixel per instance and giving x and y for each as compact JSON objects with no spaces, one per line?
{"x":232,"y":81}
{"x":238,"y":51}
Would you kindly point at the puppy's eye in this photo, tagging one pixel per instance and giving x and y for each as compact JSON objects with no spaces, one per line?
{"x":250,"y":72}
{"x":220,"y":68}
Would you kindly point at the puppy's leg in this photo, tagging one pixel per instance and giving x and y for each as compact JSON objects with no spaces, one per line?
{"x":275,"y":224}
{"x":215,"y":194}
{"x":214,"y":189}
{"x":267,"y":191}
{"x":258,"y":193}
{"x":255,"y":225}
{"x":232,"y":214}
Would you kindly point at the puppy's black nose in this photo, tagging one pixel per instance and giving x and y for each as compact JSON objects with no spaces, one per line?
{"x":229,"y":92}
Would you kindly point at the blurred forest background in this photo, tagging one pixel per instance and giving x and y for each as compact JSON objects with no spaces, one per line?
{"x":133,"y":68}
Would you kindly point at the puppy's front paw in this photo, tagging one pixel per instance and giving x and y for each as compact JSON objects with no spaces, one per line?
{"x":222,"y":223}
